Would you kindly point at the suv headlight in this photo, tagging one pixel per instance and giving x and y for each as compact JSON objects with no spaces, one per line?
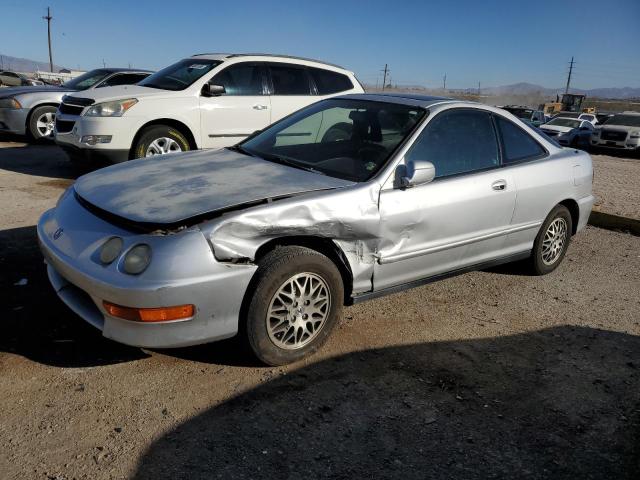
{"x":10,"y":102}
{"x":110,"y":109}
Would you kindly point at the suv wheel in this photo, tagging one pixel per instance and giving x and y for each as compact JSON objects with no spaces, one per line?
{"x":41,"y":123}
{"x":297,"y":300}
{"x":160,"y":140}
{"x":552,"y":241}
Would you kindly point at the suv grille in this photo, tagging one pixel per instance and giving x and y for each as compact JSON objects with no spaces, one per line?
{"x":64,"y":126}
{"x":613,"y":135}
{"x":71,"y":109}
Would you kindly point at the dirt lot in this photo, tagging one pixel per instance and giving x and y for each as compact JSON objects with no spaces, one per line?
{"x":488,"y":375}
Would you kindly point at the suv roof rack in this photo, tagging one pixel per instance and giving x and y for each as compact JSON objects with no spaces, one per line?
{"x":283,"y":56}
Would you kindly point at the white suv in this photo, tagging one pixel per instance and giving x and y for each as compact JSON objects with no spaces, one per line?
{"x":205,"y":101}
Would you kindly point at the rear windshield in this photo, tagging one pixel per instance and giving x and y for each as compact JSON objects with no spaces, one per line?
{"x":87,"y":80}
{"x":180,"y":75}
{"x":565,"y":122}
{"x":625,"y":120}
{"x":521,"y":112}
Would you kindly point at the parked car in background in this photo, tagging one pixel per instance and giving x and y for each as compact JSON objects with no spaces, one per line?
{"x":31,"y":110}
{"x":348,"y":199}
{"x":205,"y":101}
{"x":569,"y":131}
{"x":590,"y":117}
{"x":619,"y":132}
{"x":14,"y":79}
{"x":532,"y":117}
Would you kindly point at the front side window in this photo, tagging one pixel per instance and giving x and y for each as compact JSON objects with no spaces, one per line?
{"x":343,"y":138}
{"x":124,"y":79}
{"x":328,"y":82}
{"x":457,"y":141}
{"x":289,"y":80}
{"x":241,"y":79}
{"x":180,"y":75}
{"x":87,"y":80}
{"x":517,"y":144}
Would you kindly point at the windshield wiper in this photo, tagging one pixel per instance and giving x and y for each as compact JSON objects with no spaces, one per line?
{"x":291,"y":163}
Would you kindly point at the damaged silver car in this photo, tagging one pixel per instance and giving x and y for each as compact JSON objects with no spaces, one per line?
{"x":348,"y":199}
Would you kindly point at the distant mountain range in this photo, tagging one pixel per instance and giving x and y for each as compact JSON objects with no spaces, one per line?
{"x":16,"y":64}
{"x":524,"y":88}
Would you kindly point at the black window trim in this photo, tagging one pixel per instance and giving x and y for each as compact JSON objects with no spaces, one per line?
{"x":313,"y":91}
{"x":263,"y":76}
{"x":470,"y":172}
{"x":533,"y":158}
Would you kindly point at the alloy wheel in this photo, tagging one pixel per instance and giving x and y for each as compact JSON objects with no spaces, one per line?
{"x":45,"y":123}
{"x":554,"y":240}
{"x":162,"y":146}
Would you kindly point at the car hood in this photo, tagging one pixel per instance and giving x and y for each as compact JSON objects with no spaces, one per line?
{"x":13,"y":91}
{"x":171,"y":189}
{"x":556,"y":128}
{"x":106,"y":94}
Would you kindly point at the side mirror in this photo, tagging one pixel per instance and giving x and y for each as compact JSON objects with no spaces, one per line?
{"x":416,"y":173}
{"x":209,"y":90}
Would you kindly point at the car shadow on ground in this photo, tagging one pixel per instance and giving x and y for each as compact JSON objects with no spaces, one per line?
{"x":44,"y":159}
{"x":35,"y":323}
{"x":560,"y":403}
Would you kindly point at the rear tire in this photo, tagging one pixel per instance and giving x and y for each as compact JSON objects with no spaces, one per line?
{"x":160,"y":140}
{"x":41,"y":123}
{"x":550,"y":246}
{"x":296,"y":301}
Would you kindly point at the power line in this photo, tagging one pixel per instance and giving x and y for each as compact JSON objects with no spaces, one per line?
{"x":48,"y":18}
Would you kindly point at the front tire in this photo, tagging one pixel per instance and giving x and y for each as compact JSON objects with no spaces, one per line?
{"x":160,"y":140}
{"x":297,"y":299}
{"x":41,"y":123}
{"x":553,"y":239}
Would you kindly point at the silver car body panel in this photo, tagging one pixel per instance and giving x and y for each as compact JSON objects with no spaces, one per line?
{"x":387,"y":236}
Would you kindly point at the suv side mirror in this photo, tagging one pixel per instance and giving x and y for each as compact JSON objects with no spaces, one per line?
{"x":209,"y":90}
{"x":417,"y":173}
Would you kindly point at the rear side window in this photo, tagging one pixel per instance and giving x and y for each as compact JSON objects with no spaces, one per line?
{"x":328,"y":82}
{"x":241,"y":79}
{"x":458,"y":141}
{"x":517,"y":144}
{"x":289,"y":80}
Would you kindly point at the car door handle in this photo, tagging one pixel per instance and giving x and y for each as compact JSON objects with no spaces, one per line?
{"x":499,"y":185}
{"x":260,"y":107}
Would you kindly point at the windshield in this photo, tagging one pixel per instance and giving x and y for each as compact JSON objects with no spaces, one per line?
{"x":521,"y":112}
{"x":343,"y":138}
{"x":179,"y":75}
{"x":565,"y":122}
{"x":87,"y":80}
{"x":625,"y":120}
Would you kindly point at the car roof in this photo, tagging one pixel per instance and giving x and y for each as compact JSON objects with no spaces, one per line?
{"x":412,"y":99}
{"x":262,"y":56}
{"x":120,"y":70}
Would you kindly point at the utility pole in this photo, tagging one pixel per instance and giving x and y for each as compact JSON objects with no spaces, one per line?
{"x":566,"y":90}
{"x":104,"y":65}
{"x":444,"y":82}
{"x":478,"y":88}
{"x":384,"y":76}
{"x":48,"y":18}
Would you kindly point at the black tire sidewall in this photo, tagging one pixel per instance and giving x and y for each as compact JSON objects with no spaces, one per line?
{"x":539,"y":267}
{"x":277,"y":267}
{"x":158,"y":131}
{"x":33,"y":120}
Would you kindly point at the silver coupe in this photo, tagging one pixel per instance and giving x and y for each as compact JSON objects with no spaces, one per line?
{"x":348,"y":199}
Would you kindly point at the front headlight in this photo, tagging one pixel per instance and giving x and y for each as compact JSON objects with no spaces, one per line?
{"x":137,"y":259}
{"x":110,"y":250}
{"x":10,"y":102}
{"x":635,"y":134}
{"x":110,"y":109}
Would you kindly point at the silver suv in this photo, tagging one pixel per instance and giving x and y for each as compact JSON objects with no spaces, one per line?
{"x":619,"y":132}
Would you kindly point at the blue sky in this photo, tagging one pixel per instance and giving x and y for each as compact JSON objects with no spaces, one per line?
{"x":494,"y":42}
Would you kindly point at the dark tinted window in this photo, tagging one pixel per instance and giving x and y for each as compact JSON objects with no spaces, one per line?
{"x":241,"y":79}
{"x":87,"y":80}
{"x":289,"y":80}
{"x":458,"y":141}
{"x":124,"y":79}
{"x":518,"y":144}
{"x":330,"y":82}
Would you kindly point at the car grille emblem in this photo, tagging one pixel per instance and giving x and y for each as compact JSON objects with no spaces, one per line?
{"x":57,"y":234}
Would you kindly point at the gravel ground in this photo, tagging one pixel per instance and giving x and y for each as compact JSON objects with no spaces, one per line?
{"x":491,"y":374}
{"x":617,"y":185}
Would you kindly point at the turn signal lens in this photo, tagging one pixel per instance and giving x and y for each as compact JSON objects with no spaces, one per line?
{"x":160,"y":314}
